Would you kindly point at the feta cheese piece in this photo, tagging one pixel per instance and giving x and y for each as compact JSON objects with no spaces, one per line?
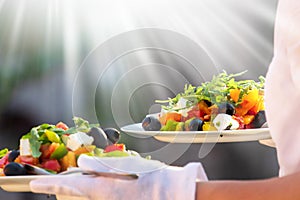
{"x":182,"y":104}
{"x":25,"y":149}
{"x":78,"y":139}
{"x":222,"y":121}
{"x":234,"y":124}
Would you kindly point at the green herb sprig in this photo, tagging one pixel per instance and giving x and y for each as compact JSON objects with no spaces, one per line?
{"x":215,"y":91}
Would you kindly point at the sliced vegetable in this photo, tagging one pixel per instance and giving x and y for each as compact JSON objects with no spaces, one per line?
{"x":170,"y":126}
{"x":85,"y":149}
{"x":59,"y":152}
{"x":52,"y":165}
{"x":3,"y":152}
{"x":3,"y":161}
{"x":114,"y":147}
{"x":115,"y":153}
{"x":27,"y":159}
{"x":52,"y":136}
{"x":62,"y":126}
{"x":69,"y":160}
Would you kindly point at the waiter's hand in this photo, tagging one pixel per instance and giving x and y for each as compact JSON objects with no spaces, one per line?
{"x":165,"y":183}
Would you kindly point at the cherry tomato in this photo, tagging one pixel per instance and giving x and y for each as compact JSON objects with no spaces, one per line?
{"x":62,"y":126}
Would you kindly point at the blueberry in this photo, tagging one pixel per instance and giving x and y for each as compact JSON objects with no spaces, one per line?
{"x":100,"y":138}
{"x":150,"y":123}
{"x":14,"y":169}
{"x":194,"y":124}
{"x":112,"y":134}
{"x":13,"y":155}
{"x":226,"y":108}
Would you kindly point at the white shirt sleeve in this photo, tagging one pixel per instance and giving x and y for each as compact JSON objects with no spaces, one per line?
{"x":282,"y":89}
{"x":293,"y":43}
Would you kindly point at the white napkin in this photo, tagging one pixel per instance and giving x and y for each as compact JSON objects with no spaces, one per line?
{"x":128,"y":164}
{"x":164,"y":182}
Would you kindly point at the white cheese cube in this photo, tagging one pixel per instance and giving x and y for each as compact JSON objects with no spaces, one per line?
{"x":25,"y":149}
{"x":222,"y":121}
{"x":79,"y":139}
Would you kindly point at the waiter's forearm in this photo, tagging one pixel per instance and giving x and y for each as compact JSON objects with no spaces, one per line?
{"x":276,"y":188}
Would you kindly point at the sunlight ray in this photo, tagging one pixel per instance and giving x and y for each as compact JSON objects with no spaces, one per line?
{"x":241,"y":28}
{"x":1,"y":4}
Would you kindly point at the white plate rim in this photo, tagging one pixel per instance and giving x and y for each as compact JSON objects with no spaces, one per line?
{"x":21,"y":183}
{"x":240,"y":135}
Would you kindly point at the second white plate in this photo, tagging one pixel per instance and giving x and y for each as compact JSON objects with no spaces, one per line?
{"x":242,"y":135}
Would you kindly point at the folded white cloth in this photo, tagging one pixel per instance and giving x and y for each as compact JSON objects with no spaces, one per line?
{"x":168,"y":182}
{"x":128,"y":164}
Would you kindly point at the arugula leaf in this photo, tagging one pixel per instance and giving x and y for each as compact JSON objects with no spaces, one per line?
{"x":82,"y":125}
{"x":215,"y":91}
{"x":34,"y":142}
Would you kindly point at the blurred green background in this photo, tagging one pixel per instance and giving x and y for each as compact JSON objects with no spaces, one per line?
{"x":43,"y":46}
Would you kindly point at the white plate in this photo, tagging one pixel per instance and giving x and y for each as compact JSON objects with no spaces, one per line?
{"x":20,"y":183}
{"x":127,"y":165}
{"x":200,"y":136}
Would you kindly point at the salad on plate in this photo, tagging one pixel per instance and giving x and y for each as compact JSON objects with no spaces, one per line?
{"x":56,"y":148}
{"x":223,"y":103}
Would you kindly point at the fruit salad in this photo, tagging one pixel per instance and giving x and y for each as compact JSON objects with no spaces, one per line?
{"x":55,"y":148}
{"x":220,"y":104}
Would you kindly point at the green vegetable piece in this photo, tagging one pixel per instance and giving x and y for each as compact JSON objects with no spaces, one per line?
{"x":98,"y":152}
{"x":180,"y":126}
{"x":58,"y":131}
{"x":34,"y":142}
{"x":170,"y":126}
{"x":215,"y":91}
{"x":60,"y":152}
{"x":83,"y":125}
{"x":71,"y":130}
{"x":52,"y":136}
{"x":64,"y":139}
{"x":3,"y":152}
{"x":115,"y":154}
{"x":45,"y":126}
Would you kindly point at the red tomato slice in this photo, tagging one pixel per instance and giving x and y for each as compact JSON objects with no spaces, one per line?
{"x":45,"y":151}
{"x":62,"y":126}
{"x":114,"y":147}
{"x":240,"y":120}
{"x":4,"y":161}
{"x":52,"y":165}
{"x":27,"y":159}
